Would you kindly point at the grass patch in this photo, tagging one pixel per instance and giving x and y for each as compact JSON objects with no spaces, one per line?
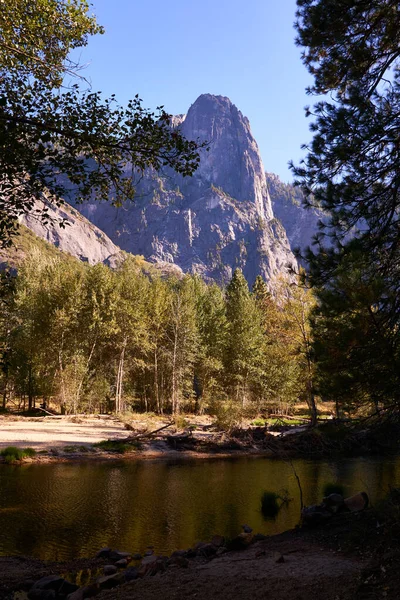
{"x":118,"y":446}
{"x":259,"y":422}
{"x":84,"y":449}
{"x":70,"y":449}
{"x":12,"y":453}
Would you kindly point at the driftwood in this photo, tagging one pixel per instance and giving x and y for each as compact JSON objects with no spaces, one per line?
{"x":46,"y":411}
{"x":150,"y":433}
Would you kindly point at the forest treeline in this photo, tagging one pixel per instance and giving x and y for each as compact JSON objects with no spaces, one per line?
{"x":88,"y":338}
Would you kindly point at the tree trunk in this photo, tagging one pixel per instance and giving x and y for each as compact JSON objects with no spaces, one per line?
{"x":156,"y":390}
{"x":30,"y":390}
{"x":79,"y":389}
{"x":311,"y":397}
{"x":63,"y":398}
{"x":5,"y":393}
{"x":120,"y":377}
{"x":175,"y":406}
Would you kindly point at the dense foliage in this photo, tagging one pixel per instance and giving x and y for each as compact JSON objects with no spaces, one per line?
{"x":352,"y":49}
{"x":57,"y":141}
{"x":89,"y":338}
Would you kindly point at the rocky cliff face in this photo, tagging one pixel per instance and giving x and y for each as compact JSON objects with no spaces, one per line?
{"x":301,"y":225}
{"x":78,"y":237}
{"x":211,"y":223}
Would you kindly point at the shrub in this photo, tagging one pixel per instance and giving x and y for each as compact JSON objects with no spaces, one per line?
{"x":30,"y":452}
{"x":12,"y":453}
{"x":180,"y":422}
{"x":228,"y":416}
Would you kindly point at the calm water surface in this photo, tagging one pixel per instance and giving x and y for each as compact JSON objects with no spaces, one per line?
{"x":68,"y":510}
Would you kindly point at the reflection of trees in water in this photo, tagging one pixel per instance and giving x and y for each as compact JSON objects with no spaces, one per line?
{"x":62,"y":511}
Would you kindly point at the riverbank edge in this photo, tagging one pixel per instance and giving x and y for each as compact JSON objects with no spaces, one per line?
{"x":322,"y":442}
{"x":323,"y":549}
{"x":80,"y":457}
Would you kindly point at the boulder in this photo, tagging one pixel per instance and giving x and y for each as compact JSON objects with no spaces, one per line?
{"x":131,"y":573}
{"x":152,"y":565}
{"x":55,"y":583}
{"x":116,"y":555}
{"x":109,"y":569}
{"x":334,"y":502}
{"x":357,"y":502}
{"x":110,"y":581}
{"x":103,"y":553}
{"x":137,"y":556}
{"x":178,"y":561}
{"x":241,"y":541}
{"x":122,"y":563}
{"x":50,"y":582}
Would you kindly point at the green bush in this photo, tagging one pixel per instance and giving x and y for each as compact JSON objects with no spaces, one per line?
{"x":228,"y":416}
{"x":12,"y":453}
{"x":30,"y":452}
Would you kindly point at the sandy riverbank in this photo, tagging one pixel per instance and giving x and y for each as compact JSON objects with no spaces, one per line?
{"x":66,"y":439}
{"x":46,"y":433}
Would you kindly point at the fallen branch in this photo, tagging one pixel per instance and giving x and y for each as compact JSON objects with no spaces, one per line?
{"x":47,"y":412}
{"x":150,"y":433}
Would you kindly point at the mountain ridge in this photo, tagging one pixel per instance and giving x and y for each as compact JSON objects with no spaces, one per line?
{"x":217,"y":220}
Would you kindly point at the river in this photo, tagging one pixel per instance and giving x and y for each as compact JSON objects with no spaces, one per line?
{"x":65,"y":511}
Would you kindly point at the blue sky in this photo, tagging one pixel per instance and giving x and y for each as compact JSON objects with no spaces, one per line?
{"x":171,"y":52}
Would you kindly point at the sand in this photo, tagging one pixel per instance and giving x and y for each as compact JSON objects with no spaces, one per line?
{"x":56,"y":432}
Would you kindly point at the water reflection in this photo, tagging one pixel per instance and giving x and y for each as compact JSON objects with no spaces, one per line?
{"x":66,"y":511}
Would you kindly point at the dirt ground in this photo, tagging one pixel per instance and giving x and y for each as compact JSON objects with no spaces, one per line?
{"x":56,"y":432}
{"x":307,"y":573}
